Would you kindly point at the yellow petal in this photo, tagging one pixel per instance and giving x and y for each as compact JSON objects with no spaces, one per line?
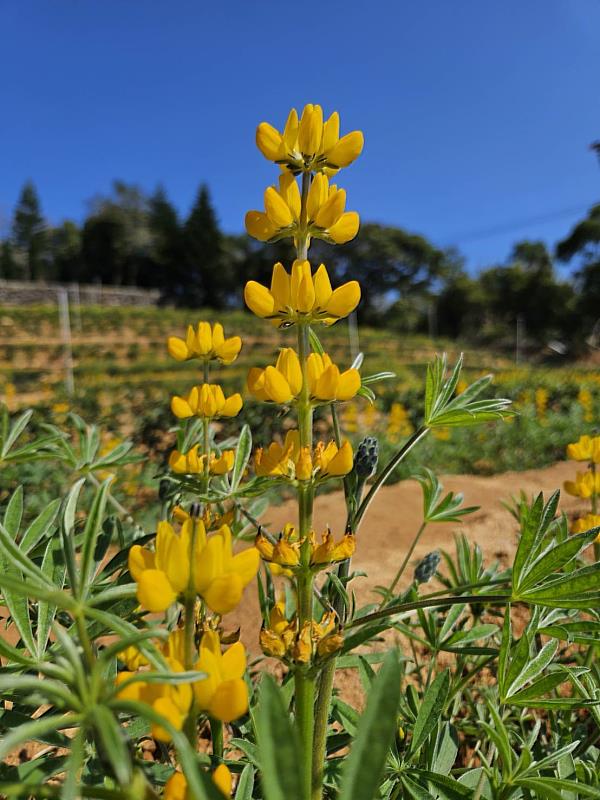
{"x":246,"y":564}
{"x":259,"y":226}
{"x":277,"y":388}
{"x":178,"y":462}
{"x":310,"y":132}
{"x":277,"y":209}
{"x":290,"y":132}
{"x":269,"y":141}
{"x":288,"y":364}
{"x":204,"y":338}
{"x":345,"y":228}
{"x":317,"y":195}
{"x":331,"y":211}
{"x":301,"y":276}
{"x":224,"y":593}
{"x":349,"y":384}
{"x":258,"y":299}
{"x":177,"y":348}
{"x":176,"y":787}
{"x":232,"y":406}
{"x":154,"y":590}
{"x":327,"y":384}
{"x":167,"y":709}
{"x":181,"y":408}
{"x":346,"y":150}
{"x":223,"y":780}
{"x":342,"y":462}
{"x":280,"y":287}
{"x":234,"y":662}
{"x":344,"y":299}
{"x":208,"y":564}
{"x":228,"y":351}
{"x":288,"y":189}
{"x":323,"y":291}
{"x":331,"y":131}
{"x":256,"y":383}
{"x":140,"y":559}
{"x":230,"y":700}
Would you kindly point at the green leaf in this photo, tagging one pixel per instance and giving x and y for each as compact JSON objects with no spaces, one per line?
{"x":70,"y":787}
{"x":54,"y":569}
{"x":245,"y":785}
{"x":112,"y":741}
{"x":529,"y":529}
{"x":242,"y":455}
{"x":552,"y":788}
{"x":533,"y":668}
{"x":67,"y":530}
{"x":40,"y":526}
{"x":278,"y":745}
{"x":16,"y":429}
{"x":362,"y":771}
{"x":450,"y":788}
{"x":555,"y":558}
{"x":431,"y":710}
{"x":566,"y":589}
{"x":14,"y":512}
{"x":538,"y":688}
{"x":92,"y":528}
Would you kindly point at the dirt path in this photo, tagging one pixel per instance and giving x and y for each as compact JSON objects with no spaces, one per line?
{"x":396,"y":514}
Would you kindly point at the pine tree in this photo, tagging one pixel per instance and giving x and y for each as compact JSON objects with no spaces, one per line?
{"x":167,"y":244}
{"x":208,"y":276}
{"x":9,"y":269}
{"x":29,"y":233}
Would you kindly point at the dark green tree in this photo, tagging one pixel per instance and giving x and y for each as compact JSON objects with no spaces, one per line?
{"x":208,"y":278}
{"x":116,"y":239}
{"x":583,"y":245}
{"x":167,"y":252}
{"x":65,"y":246}
{"x":29,"y":234}
{"x":9,"y":268}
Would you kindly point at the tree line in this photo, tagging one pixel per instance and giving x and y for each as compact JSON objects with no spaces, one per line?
{"x":409,"y":284}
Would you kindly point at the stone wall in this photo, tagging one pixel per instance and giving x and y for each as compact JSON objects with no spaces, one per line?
{"x":24,"y":293}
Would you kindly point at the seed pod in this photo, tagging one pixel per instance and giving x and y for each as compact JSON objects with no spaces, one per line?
{"x":425,"y":569}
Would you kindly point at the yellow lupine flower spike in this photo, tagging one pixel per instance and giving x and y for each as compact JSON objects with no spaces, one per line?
{"x":301,"y":296}
{"x":223,"y":693}
{"x":279,"y":384}
{"x":326,"y":382}
{"x":327,"y":217}
{"x":219,"y":576}
{"x":586,"y":523}
{"x":191,"y":463}
{"x":585,"y":485}
{"x":171,"y":700}
{"x":586,"y":449}
{"x":206,"y":401}
{"x":309,"y":144}
{"x":205,"y":342}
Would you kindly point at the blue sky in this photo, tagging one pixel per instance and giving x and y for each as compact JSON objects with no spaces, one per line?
{"x":477,"y":115}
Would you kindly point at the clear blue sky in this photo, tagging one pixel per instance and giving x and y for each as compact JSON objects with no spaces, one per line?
{"x":477,"y":115}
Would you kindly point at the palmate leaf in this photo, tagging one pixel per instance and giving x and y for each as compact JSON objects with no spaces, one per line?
{"x":440,"y":510}
{"x":444,"y":409}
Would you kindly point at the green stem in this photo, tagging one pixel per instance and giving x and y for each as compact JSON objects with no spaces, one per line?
{"x":386,"y":472}
{"x":216,"y":732}
{"x":320,"y":732}
{"x":189,"y":637}
{"x":404,"y":564}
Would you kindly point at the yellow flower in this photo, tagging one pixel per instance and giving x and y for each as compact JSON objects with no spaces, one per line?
{"x":279,"y":384}
{"x":332,"y":462}
{"x":277,"y":639}
{"x":219,"y":576}
{"x":585,"y":485}
{"x":584,"y":524}
{"x":325,"y":381}
{"x":285,"y":553}
{"x":171,"y":700}
{"x":132,"y":658}
{"x":223,"y":694}
{"x":327,"y":218}
{"x":301,"y":296}
{"x":278,"y":459}
{"x":191,"y":463}
{"x":309,"y":143}
{"x":206,"y":343}
{"x":207,"y":401}
{"x":586,"y":449}
{"x":329,"y":551}
{"x":176,"y":788}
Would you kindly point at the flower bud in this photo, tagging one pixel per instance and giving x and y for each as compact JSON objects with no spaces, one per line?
{"x":425,"y":569}
{"x":365,"y":460}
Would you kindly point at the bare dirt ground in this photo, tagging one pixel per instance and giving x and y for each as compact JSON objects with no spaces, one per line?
{"x":395,"y":516}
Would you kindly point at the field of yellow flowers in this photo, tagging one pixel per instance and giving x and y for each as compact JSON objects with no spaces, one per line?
{"x":479,"y":680}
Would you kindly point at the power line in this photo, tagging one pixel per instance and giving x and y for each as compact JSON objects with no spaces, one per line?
{"x":510,"y":227}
